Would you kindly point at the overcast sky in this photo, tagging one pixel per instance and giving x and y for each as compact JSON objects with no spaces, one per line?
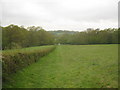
{"x":61,"y":14}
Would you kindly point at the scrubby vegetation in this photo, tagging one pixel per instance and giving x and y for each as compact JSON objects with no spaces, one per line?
{"x":14,"y":60}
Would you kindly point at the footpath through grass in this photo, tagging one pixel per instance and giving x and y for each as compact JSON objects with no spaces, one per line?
{"x":71,"y":66}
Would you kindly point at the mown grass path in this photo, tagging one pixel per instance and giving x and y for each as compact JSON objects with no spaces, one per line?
{"x":71,"y":66}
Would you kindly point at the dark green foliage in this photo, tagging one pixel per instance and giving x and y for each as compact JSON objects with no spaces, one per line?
{"x":16,"y":37}
{"x":14,"y":61}
{"x":91,"y":36}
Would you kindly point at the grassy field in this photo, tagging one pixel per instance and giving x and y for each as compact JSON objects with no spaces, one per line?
{"x":71,"y":66}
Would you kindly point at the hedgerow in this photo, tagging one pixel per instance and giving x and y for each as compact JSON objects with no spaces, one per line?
{"x":12,"y":62}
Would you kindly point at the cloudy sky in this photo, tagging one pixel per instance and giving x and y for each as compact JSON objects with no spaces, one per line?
{"x":61,"y":14}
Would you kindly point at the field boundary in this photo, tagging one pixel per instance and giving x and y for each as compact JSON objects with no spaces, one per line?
{"x":11,"y":63}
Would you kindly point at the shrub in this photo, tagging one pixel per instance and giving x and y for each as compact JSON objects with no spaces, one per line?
{"x":13,"y":46}
{"x":12,"y":62}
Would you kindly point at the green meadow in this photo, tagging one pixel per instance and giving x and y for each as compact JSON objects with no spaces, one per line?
{"x":71,"y":66}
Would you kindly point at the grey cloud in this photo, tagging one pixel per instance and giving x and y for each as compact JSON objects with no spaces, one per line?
{"x":64,"y":14}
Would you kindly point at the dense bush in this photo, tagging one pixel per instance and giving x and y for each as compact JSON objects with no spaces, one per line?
{"x":14,"y":36}
{"x":12,"y":62}
{"x":13,"y":46}
{"x":91,"y":36}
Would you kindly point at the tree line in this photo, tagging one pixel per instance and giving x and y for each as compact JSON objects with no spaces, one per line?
{"x":91,"y":36}
{"x":14,"y":36}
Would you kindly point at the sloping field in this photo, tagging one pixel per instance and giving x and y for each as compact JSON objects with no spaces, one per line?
{"x":71,"y":66}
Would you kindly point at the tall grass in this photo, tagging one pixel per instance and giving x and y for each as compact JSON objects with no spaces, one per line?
{"x":14,"y":60}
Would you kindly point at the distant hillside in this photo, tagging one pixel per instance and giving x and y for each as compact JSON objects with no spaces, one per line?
{"x":61,"y":32}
